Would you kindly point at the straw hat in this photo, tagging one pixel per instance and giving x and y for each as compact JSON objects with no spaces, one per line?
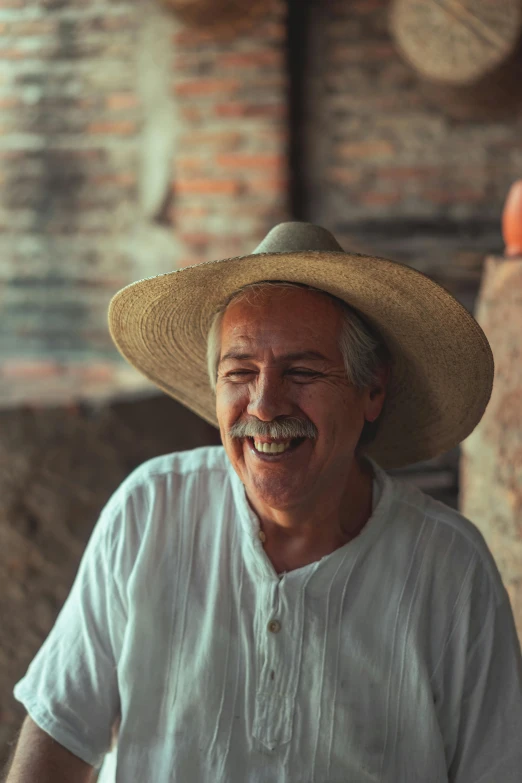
{"x":442,"y":372}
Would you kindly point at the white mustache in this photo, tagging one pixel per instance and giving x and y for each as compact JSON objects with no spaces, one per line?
{"x":283,"y":430}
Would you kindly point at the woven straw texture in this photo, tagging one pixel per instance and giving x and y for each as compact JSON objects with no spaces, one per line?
{"x":456,"y":41}
{"x":442,"y":371}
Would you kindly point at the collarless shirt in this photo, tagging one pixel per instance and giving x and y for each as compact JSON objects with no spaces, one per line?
{"x":394,"y":658}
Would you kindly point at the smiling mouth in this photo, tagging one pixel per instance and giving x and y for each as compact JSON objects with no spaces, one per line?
{"x":274,"y":448}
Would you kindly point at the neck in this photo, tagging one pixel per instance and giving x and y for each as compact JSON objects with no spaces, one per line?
{"x":324,"y":523}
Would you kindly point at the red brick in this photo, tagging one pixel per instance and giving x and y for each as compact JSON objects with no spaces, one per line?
{"x":29,"y":369}
{"x":378,"y":148}
{"x":241,"y":109}
{"x":94,"y":371}
{"x":243,"y":160}
{"x":191,"y":114}
{"x":406,"y":172}
{"x":375,"y":199}
{"x":193,"y":37}
{"x":182,"y":63}
{"x":194,"y":210}
{"x":272,"y":185}
{"x":207,"y":87}
{"x":86,"y":103}
{"x":197,"y":238}
{"x":121,"y":100}
{"x":279,"y":135}
{"x":178,"y":213}
{"x":114,"y":179}
{"x":275,"y":84}
{"x":453,"y":195}
{"x":121,"y":128}
{"x":189,"y":165}
{"x":366,"y":52}
{"x":91,"y":154}
{"x":32,"y":27}
{"x":216,"y":139}
{"x":343,"y":176}
{"x":273,"y":32}
{"x":208,"y":186}
{"x":254,"y":59}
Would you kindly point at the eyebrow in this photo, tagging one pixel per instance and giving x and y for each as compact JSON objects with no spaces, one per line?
{"x":292,"y":357}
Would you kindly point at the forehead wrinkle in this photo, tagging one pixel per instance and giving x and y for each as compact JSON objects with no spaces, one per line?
{"x":238,"y":354}
{"x":248,"y":329}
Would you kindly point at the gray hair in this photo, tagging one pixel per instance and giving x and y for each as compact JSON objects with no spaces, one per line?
{"x":363,"y":351}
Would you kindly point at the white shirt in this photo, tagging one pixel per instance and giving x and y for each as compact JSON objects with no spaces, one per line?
{"x":393,"y":659}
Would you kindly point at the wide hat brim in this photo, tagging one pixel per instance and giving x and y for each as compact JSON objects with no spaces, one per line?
{"x":442,"y":372}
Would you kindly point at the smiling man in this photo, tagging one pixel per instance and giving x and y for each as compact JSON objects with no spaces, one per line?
{"x":280,"y":609}
{"x":291,"y":417}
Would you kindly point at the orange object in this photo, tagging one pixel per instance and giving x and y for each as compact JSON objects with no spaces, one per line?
{"x":512,"y":220}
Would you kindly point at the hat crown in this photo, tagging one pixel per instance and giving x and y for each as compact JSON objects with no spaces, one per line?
{"x":296,"y":237}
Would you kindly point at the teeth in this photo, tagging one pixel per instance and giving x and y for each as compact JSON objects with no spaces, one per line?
{"x":272,"y":448}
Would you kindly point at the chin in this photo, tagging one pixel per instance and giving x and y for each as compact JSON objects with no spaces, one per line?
{"x":278,"y":498}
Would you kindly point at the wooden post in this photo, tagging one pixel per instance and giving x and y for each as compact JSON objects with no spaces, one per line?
{"x":491,"y":463}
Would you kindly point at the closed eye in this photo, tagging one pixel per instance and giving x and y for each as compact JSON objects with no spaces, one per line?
{"x":293,"y":371}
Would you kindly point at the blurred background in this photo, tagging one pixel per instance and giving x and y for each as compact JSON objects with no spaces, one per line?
{"x":140,"y":136}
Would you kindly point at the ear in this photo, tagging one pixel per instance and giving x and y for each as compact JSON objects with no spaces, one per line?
{"x":376,"y":394}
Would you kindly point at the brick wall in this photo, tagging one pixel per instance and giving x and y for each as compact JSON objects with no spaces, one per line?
{"x":388,"y":164}
{"x":68,"y":129}
{"x":80,"y":142}
{"x":123,"y":156}
{"x":231,"y":169}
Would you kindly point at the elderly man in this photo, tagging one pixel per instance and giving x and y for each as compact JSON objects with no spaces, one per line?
{"x":280,"y":608}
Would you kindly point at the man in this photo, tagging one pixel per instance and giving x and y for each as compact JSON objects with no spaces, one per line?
{"x":281,"y":609}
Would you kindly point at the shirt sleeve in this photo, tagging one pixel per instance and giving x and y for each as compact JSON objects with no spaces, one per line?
{"x":70,"y":689}
{"x":480,"y":704}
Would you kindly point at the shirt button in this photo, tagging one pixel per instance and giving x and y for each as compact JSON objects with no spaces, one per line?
{"x":262,"y":536}
{"x":274,"y":626}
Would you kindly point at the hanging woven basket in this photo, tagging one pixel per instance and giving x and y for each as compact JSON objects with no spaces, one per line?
{"x":456,"y":42}
{"x":219,"y":14}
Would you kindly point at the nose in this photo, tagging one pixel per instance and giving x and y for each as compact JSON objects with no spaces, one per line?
{"x":268,"y":399}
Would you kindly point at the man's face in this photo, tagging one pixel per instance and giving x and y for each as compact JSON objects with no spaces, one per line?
{"x":280,"y":358}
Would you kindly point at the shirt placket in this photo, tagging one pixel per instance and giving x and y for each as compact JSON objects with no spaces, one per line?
{"x":277,"y":632}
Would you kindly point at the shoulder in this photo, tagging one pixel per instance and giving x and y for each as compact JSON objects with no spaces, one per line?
{"x":203,"y":461}
{"x":168,"y":477}
{"x":159,"y":494}
{"x":452,"y":536}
